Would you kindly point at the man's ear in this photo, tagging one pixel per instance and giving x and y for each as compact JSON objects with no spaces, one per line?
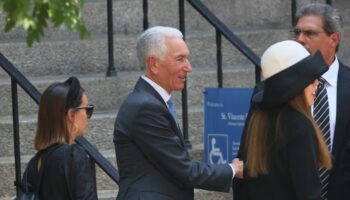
{"x":152,"y":63}
{"x":335,"y":39}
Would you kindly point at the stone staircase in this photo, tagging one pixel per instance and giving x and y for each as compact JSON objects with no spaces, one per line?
{"x":62,"y":54}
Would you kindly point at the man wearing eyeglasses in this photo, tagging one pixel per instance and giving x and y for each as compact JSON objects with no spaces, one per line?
{"x":318,"y":27}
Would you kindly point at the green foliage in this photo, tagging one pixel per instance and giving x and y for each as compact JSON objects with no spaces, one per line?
{"x":34,"y":16}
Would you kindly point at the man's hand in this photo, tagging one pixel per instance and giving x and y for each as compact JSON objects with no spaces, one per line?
{"x":238,"y":166}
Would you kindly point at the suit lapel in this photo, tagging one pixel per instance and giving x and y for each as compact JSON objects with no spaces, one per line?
{"x":343,"y":108}
{"x":143,"y":85}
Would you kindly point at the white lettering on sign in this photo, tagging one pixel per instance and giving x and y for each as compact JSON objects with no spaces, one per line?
{"x":215,"y":104}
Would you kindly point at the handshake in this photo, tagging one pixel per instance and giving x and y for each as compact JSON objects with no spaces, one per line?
{"x":238,"y":166}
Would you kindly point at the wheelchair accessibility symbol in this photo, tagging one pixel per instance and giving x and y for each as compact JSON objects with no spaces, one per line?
{"x":218,"y":149}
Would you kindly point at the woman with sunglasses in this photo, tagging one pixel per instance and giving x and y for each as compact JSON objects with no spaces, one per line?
{"x":64,"y":114}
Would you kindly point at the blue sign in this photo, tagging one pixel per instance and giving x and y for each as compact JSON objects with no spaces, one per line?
{"x":225,"y":112}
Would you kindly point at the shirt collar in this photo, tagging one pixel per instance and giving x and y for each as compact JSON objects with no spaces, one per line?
{"x":331,"y":76}
{"x":161,"y":91}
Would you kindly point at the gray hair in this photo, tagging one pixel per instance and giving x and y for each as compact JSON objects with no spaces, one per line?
{"x":332,"y":21}
{"x":151,"y":42}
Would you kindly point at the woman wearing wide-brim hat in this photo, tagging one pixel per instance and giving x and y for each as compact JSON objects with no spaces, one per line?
{"x":283,"y":148}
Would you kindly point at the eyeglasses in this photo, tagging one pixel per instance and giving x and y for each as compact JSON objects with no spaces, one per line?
{"x":89,"y":109}
{"x":308,"y":33}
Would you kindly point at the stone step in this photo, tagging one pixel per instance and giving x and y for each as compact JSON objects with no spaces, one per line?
{"x":128,"y":17}
{"x":343,"y":6}
{"x":211,"y":195}
{"x":198,"y":195}
{"x":95,"y":19}
{"x":104,"y":183}
{"x":107,"y":93}
{"x":99,"y":133}
{"x":91,"y":56}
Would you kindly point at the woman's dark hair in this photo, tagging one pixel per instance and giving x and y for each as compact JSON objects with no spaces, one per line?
{"x":55,"y":102}
{"x":256,"y":142}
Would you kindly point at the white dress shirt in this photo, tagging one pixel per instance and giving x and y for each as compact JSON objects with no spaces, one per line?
{"x":331,"y":76}
{"x":161,"y":91}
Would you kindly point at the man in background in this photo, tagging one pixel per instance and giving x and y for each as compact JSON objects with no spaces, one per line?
{"x":319,"y":27}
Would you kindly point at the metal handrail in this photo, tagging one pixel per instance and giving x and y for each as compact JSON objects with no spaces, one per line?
{"x":17,"y":78}
{"x":222,"y":29}
{"x":111,"y":69}
{"x":225,"y":31}
{"x":145,"y":14}
{"x":184,"y":96}
{"x":293,"y":10}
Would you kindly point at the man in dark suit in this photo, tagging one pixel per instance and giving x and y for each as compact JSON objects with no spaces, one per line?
{"x":151,"y":155}
{"x":318,"y":27}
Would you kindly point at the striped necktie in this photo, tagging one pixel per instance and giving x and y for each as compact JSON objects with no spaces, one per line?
{"x":321,"y":115}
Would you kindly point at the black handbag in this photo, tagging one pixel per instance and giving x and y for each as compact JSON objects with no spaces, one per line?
{"x":27,"y":193}
{"x":28,"y":196}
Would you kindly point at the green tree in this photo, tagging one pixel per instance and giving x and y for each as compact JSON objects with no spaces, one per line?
{"x":34,"y":16}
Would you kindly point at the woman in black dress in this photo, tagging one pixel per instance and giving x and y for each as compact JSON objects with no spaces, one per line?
{"x":64,"y":114}
{"x":282,"y":147}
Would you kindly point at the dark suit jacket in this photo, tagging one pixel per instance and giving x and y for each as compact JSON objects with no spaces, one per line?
{"x":82,"y":185}
{"x":339,"y":185}
{"x":293,"y":167}
{"x":151,"y":156}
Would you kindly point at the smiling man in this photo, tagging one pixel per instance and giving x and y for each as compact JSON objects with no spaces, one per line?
{"x":151,"y":155}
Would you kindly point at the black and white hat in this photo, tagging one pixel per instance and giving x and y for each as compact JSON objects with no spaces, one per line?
{"x":287,"y":68}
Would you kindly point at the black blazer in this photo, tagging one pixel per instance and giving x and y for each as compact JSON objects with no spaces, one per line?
{"x":151,"y":155}
{"x":82,"y":185}
{"x":293,"y":167}
{"x":339,"y":185}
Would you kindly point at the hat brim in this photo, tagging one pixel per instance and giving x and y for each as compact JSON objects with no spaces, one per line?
{"x":283,"y":86}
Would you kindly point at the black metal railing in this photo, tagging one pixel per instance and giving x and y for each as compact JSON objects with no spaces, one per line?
{"x":145,"y":14}
{"x":111,"y":71}
{"x":17,"y":78}
{"x":222,"y":29}
{"x":293,"y":11}
{"x":184,"y":91}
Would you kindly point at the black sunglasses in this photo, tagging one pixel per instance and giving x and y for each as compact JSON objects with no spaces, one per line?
{"x":89,"y":109}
